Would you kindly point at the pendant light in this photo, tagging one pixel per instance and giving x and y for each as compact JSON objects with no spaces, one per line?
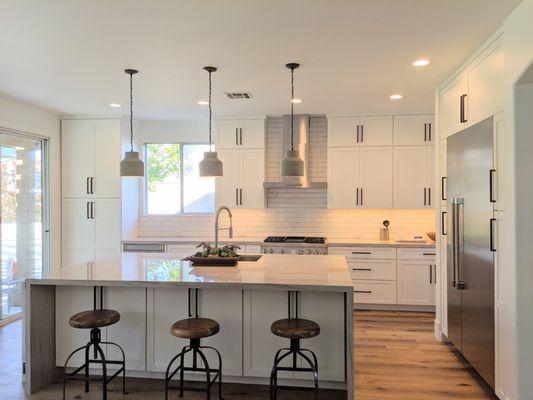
{"x":292,"y":165}
{"x":210,"y":166}
{"x":131,"y":165}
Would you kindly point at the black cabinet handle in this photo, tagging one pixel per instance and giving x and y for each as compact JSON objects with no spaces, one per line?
{"x":429,"y":254}
{"x":236,"y":197}
{"x":236,"y":136}
{"x":362,"y":269}
{"x":92,"y":209}
{"x":363,"y":291}
{"x":492,"y":247}
{"x":462,"y":117}
{"x":92,"y":184}
{"x":442,"y":190}
{"x":356,"y":196}
{"x":492,"y":172}
{"x":429,"y":196}
{"x":425,"y":132}
{"x":442,"y":222}
{"x":357,"y":134}
{"x":87,"y":186}
{"x":362,"y":133}
{"x":240,"y":191}
{"x":88,"y":215}
{"x":429,"y":132}
{"x":240,"y":135}
{"x":430,"y":274}
{"x":362,"y":202}
{"x":361,"y":252}
{"x":425,"y":197}
{"x":435,"y":274}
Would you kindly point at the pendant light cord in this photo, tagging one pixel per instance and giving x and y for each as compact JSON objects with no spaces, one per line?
{"x":131,"y":111}
{"x":210,"y":111}
{"x":292,"y":109}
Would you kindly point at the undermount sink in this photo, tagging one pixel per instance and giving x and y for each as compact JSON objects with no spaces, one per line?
{"x":250,"y":257}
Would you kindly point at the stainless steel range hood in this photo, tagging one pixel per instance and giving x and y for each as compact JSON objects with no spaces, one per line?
{"x":301,"y":143}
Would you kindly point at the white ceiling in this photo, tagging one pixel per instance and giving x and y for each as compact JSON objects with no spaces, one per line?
{"x":69,"y":55}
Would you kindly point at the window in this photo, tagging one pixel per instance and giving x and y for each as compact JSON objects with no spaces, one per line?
{"x":173,"y":184}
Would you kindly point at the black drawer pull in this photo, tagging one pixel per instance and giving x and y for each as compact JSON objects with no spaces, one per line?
{"x":428,"y":254}
{"x":362,"y":269}
{"x":363,"y":291}
{"x":361,"y":252}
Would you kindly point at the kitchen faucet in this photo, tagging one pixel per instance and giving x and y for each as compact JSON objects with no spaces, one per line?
{"x":230,"y":229}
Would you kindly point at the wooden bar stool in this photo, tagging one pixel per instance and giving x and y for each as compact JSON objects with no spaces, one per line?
{"x":194,"y":329}
{"x":94,"y":320}
{"x":294,"y":329}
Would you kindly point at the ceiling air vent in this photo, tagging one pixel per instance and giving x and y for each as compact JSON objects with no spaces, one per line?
{"x":239,"y":95}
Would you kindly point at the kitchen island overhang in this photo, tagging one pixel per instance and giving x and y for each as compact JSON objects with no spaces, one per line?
{"x":151,"y":291}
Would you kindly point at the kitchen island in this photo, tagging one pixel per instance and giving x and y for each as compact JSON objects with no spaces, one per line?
{"x":152,"y":291}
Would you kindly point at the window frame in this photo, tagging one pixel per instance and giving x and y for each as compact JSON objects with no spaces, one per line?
{"x":145,"y":183}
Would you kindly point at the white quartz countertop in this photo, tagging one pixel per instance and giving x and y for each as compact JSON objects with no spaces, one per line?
{"x":330,"y":242}
{"x":295,"y":272}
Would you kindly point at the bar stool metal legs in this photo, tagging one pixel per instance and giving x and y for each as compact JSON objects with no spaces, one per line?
{"x":294,"y":329}
{"x":94,"y":320}
{"x":196,"y":349}
{"x":194,"y":329}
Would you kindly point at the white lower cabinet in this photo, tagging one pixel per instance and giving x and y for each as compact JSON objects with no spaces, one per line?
{"x":415,"y":283}
{"x":261,"y":308}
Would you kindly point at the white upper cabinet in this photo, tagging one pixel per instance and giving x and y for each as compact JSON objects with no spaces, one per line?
{"x":90,"y":158}
{"x":360,"y":131}
{"x":485,"y":85}
{"x":241,"y":185}
{"x":343,"y":177}
{"x":240,"y":134}
{"x":454,"y":107}
{"x":375,"y":131}
{"x":413,"y":130}
{"x":414,"y":176}
{"x":360,"y":177}
{"x":77,"y":157}
{"x":376,"y":177}
{"x":343,"y":131}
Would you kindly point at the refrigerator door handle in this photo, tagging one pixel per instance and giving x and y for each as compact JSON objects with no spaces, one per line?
{"x":459,"y":243}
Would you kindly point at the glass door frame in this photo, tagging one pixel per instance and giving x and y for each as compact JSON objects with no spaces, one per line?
{"x":45,"y":199}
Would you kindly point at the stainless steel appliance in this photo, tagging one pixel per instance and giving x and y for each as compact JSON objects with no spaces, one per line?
{"x":295,"y":245}
{"x":470,"y":246}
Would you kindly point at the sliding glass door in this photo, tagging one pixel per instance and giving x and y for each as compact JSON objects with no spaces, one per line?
{"x":23,"y":216}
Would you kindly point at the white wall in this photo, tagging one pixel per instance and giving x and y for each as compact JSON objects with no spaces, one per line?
{"x":23,"y":117}
{"x":517,"y":290}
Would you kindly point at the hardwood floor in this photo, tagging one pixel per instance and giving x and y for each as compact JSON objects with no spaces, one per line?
{"x":396,"y":357}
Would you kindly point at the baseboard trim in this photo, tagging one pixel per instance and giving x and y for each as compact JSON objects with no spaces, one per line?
{"x":393,"y":307}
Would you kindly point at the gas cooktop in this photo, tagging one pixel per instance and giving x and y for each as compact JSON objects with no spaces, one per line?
{"x":296,"y":239}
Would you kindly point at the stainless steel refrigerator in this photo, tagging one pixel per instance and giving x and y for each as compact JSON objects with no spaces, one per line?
{"x":470,"y":178}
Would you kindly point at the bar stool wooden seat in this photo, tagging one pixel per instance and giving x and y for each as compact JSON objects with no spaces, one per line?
{"x":294,"y":329}
{"x":94,"y":320}
{"x":194,"y":329}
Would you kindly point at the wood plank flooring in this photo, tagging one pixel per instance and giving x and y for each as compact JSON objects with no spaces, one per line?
{"x":396,"y":357}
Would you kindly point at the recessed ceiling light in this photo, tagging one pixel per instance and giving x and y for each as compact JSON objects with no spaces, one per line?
{"x":296,"y":101}
{"x":203,"y":103}
{"x":421,"y":63}
{"x":396,"y":97}
{"x":115,"y":105}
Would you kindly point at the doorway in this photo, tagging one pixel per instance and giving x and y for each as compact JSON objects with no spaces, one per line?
{"x":23,"y":217}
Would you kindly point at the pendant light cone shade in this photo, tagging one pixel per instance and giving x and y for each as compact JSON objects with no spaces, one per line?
{"x":210,"y":166}
{"x":131,"y":165}
{"x":292,"y":164}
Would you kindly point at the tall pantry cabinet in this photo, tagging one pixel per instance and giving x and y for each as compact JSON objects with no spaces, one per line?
{"x":91,"y":187}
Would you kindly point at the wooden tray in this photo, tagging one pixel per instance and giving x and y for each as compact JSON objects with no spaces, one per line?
{"x":214,"y":261}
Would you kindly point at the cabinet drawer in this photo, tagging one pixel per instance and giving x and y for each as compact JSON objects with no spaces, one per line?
{"x":374,"y":292}
{"x":428,"y":253}
{"x":381,"y":270}
{"x":364,"y":253}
